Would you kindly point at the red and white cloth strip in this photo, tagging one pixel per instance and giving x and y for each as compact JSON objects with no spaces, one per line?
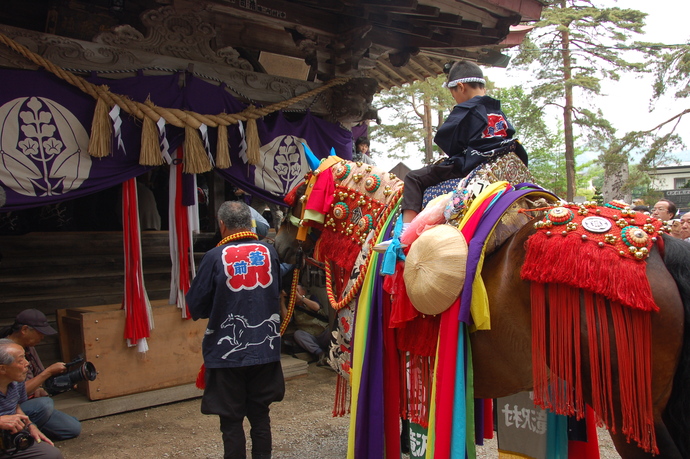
{"x":138,"y":315}
{"x":183,"y":221}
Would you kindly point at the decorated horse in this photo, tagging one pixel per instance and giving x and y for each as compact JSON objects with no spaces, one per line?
{"x":586,"y":305}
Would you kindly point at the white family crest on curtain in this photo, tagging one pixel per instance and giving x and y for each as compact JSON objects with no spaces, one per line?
{"x":282,"y":165}
{"x":51,"y":157}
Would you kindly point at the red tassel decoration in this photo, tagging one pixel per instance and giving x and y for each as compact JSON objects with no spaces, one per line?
{"x":182,"y":242}
{"x":201,"y":377}
{"x":416,"y":377}
{"x":341,"y":250}
{"x":600,"y":358}
{"x":138,"y":321}
{"x":404,"y":399}
{"x":599,"y":270}
{"x":341,"y":406}
{"x":633,"y":342}
{"x":632,"y":334}
{"x":539,"y":371}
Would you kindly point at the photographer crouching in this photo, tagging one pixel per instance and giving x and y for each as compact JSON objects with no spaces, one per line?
{"x":29,"y":328}
{"x":21,"y":439}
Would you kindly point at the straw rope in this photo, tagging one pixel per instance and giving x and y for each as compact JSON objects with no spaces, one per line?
{"x":173,"y":116}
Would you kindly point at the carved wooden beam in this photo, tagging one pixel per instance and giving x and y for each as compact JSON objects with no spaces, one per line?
{"x":348,"y":104}
{"x":352,"y":102}
{"x":118,"y":62}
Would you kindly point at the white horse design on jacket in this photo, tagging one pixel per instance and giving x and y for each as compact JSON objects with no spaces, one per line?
{"x":242,"y":334}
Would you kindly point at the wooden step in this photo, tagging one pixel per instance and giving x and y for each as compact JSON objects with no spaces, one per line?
{"x":49,"y":304}
{"x":75,"y":284}
{"x":69,"y":243}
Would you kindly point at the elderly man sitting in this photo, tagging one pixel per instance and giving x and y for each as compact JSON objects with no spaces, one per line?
{"x":13,"y":369}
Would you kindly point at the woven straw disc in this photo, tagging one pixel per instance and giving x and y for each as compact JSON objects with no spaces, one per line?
{"x":435,"y":269}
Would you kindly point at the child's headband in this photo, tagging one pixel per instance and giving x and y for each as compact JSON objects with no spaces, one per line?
{"x":451,"y":84}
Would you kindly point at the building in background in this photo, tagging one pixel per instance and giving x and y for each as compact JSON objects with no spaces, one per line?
{"x":673,"y":182}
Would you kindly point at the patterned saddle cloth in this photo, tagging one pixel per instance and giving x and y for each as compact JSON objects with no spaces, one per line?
{"x":507,"y":167}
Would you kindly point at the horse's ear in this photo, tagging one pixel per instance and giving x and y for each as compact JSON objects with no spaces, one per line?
{"x":312,"y":160}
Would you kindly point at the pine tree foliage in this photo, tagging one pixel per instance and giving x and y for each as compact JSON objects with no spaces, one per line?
{"x":415,"y":111}
{"x":573,"y":48}
{"x":672,"y":77}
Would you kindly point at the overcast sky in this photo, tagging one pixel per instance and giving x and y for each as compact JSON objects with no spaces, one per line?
{"x":625,"y":103}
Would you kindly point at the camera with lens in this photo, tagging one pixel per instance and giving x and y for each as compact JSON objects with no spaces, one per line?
{"x":17,"y":441}
{"x":82,"y":371}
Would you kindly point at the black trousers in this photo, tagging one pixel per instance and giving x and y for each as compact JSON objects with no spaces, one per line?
{"x":417,"y":181}
{"x":236,"y":393}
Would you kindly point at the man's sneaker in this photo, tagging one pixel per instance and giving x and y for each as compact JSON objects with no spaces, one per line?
{"x":323,"y":360}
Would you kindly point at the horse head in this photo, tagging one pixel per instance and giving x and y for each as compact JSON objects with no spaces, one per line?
{"x":232,"y":321}
{"x":228,"y":322}
{"x":285,"y":242}
{"x":353,"y":201}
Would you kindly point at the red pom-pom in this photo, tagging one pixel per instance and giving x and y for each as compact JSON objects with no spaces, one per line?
{"x":292,"y":195}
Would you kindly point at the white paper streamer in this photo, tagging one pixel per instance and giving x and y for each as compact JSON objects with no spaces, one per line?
{"x":117,"y":126}
{"x":243,"y":143}
{"x":163,"y":141}
{"x":204,"y":135}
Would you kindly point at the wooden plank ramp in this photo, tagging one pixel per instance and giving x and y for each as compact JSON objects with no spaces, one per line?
{"x":79,"y":406}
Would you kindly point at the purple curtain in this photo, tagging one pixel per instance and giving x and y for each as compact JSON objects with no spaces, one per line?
{"x":45,"y":125}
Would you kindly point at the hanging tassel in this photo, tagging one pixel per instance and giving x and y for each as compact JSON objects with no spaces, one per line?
{"x":201,"y":378}
{"x":600,"y":358}
{"x":342,"y":397}
{"x":253,"y":142}
{"x":150,"y":154}
{"x":138,"y":313}
{"x":539,"y":372}
{"x":100,"y":141}
{"x":223,"y":149}
{"x":633,"y":330}
{"x":195,"y":157}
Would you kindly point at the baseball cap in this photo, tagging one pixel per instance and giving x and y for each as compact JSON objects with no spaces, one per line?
{"x":35,"y":319}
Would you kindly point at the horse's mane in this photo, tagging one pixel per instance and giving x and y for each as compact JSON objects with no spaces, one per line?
{"x":677,"y":260}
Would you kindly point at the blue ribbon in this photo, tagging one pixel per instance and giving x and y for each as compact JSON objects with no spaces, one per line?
{"x":394,"y":251}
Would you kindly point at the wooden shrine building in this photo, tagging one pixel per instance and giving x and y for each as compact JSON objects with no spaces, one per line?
{"x":249,"y":80}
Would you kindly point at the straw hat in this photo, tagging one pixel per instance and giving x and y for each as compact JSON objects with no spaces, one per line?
{"x":435,"y":269}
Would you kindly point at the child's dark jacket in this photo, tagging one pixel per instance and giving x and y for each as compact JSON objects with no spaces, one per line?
{"x":474,"y":127}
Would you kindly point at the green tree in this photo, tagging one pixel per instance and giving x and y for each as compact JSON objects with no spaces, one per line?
{"x":672,"y":75}
{"x":545,"y":147}
{"x":416,"y":111}
{"x":672,"y":70}
{"x":408,"y":127}
{"x":574,"y":47}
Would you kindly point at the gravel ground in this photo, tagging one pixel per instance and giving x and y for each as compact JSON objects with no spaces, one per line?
{"x":303,"y":427}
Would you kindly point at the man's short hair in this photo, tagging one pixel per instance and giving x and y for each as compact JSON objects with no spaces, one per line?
{"x":466,"y":69}
{"x":672,"y":209}
{"x":5,"y":357}
{"x":235,"y":215}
